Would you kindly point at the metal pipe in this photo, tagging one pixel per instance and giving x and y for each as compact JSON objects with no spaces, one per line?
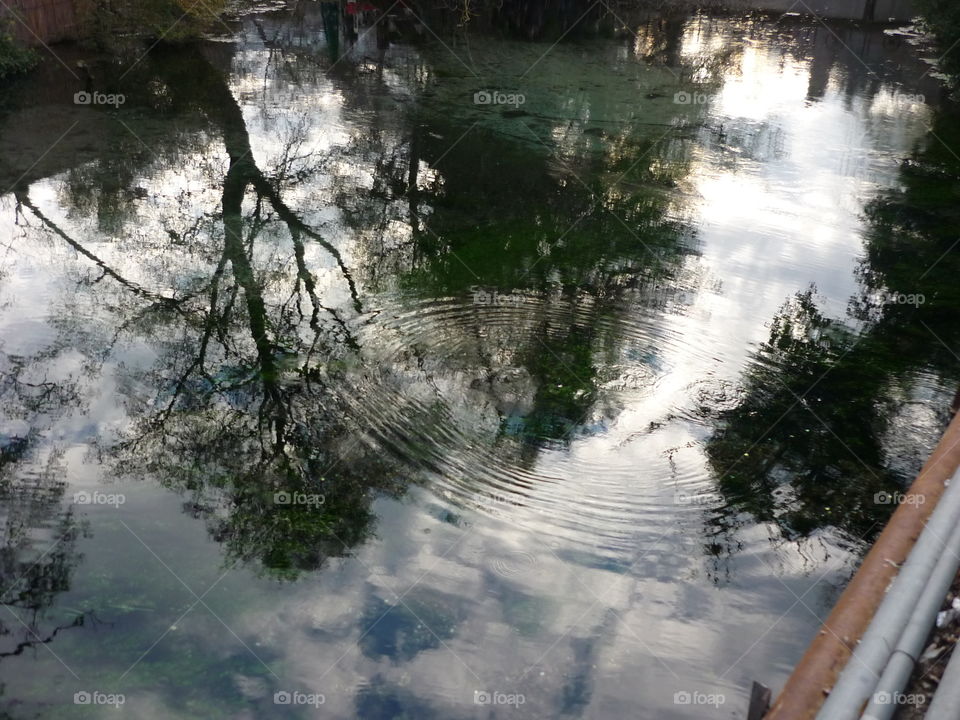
{"x":861,"y":673}
{"x":883,"y":702}
{"x":946,"y":700}
{"x":830,"y":648}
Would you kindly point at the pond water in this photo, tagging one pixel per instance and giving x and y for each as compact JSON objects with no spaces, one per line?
{"x":466,"y":377}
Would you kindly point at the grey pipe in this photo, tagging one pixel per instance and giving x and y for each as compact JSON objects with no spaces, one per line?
{"x":946,"y":700}
{"x":862,"y":671}
{"x":895,"y":676}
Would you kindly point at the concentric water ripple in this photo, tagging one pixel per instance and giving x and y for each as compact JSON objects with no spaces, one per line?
{"x":445,"y":387}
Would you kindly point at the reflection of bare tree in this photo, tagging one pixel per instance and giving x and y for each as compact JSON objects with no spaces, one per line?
{"x":240,"y":402}
{"x":37,"y":535}
{"x":239,"y":414}
{"x":23,"y":200}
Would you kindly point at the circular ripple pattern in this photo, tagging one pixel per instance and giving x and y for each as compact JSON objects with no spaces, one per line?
{"x":514,"y":563}
{"x":460,"y":394}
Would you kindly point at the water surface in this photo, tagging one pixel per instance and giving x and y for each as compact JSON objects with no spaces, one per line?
{"x":321,"y":377}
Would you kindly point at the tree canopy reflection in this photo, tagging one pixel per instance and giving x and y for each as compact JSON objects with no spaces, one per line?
{"x":249,"y":397}
{"x":806,"y":445}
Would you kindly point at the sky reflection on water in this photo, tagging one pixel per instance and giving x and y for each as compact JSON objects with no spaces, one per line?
{"x":516,"y":351}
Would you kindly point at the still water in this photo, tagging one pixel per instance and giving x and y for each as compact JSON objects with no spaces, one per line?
{"x":461,"y":377}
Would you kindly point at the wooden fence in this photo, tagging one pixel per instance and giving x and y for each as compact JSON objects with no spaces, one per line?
{"x":35,"y":22}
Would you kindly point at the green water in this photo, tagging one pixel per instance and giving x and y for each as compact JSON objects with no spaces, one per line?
{"x":324,"y":382}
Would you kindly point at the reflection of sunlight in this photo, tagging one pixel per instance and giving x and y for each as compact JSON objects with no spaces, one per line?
{"x":701,"y":39}
{"x":766,"y":142}
{"x":726,"y":198}
{"x":645,"y":43}
{"x":765,"y":83}
{"x":428,"y":177}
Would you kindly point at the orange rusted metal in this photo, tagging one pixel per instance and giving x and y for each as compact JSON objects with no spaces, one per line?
{"x":818,"y":669}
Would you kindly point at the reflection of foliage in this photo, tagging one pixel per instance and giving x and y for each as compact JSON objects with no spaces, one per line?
{"x":943,"y":16}
{"x":590,"y":237}
{"x":169,"y":20}
{"x":542,"y":19}
{"x":240,"y":402}
{"x":802,"y":447}
{"x":215,"y":454}
{"x":101,"y":189}
{"x":108,"y":190}
{"x":566,"y":386}
{"x":242,"y":406}
{"x":31,"y":501}
{"x":805,"y":460}
{"x":911,"y":248}
{"x":578,"y":259}
{"x":14,"y":59}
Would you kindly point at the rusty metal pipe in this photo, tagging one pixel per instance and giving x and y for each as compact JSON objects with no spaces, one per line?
{"x":817,"y":671}
{"x":932,"y":550}
{"x":883,"y":702}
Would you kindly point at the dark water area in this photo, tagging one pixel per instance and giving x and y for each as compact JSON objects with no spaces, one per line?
{"x":439,"y":373}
